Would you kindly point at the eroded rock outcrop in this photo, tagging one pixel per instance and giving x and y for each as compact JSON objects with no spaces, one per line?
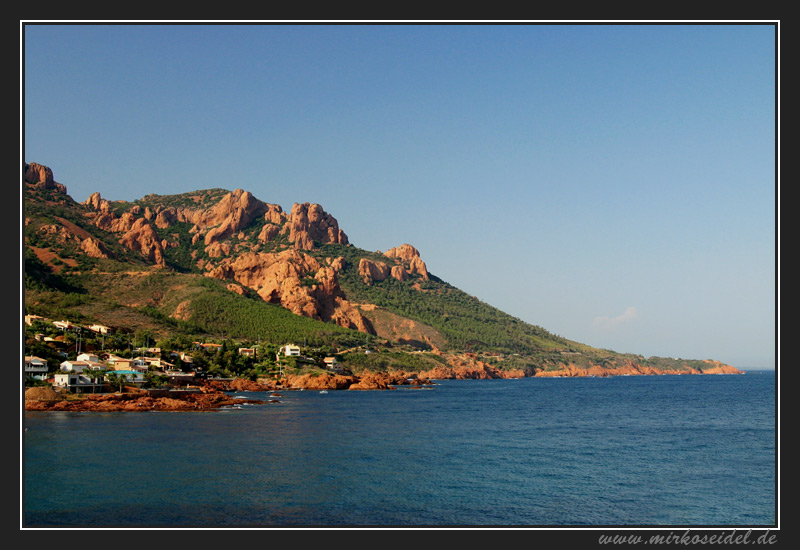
{"x":296,"y":281}
{"x":142,"y":238}
{"x":308,"y":223}
{"x":235,"y":211}
{"x":371,"y":271}
{"x":409,"y":259}
{"x":41,"y":177}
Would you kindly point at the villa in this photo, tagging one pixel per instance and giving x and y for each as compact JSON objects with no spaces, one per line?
{"x":35,"y":367}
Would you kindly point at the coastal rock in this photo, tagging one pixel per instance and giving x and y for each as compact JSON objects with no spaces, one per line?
{"x":323,"y":381}
{"x":240,"y":384}
{"x":468,"y":367}
{"x":373,"y":381}
{"x":717,"y":367}
{"x":629,"y":368}
{"x":139,"y":401}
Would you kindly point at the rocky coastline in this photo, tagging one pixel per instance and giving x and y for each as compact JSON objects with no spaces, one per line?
{"x":214,"y":394}
{"x":132,"y":399}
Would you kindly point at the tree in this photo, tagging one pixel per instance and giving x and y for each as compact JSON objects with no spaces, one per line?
{"x":154,"y":379}
{"x":115,"y":378}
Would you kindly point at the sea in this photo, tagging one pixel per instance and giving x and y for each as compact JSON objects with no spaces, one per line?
{"x":674,"y":450}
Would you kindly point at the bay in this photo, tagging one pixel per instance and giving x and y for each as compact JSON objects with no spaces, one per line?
{"x":617,"y":451}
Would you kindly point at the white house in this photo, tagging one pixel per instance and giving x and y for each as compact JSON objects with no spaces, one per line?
{"x":332,"y":364}
{"x":80,"y":366}
{"x":35,"y":367}
{"x":290,"y":350}
{"x":29,"y":319}
{"x":100,"y":329}
{"x":88,"y":357}
{"x":143,"y":364}
{"x":182,"y":356}
{"x":78,"y":382}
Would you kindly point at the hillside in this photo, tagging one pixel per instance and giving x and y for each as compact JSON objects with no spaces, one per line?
{"x":224,"y":264}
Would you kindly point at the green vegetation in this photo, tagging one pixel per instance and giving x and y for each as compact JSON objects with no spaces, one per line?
{"x":391,"y":360}
{"x":221,"y":312}
{"x":467,"y":323}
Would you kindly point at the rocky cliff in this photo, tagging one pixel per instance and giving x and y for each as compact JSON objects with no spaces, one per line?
{"x":229,"y":251}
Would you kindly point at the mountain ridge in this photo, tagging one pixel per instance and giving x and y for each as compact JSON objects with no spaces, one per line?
{"x":300,"y":261}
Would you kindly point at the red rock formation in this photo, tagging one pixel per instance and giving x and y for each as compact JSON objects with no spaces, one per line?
{"x":140,"y":401}
{"x":94,"y":248}
{"x":142,"y":238}
{"x":41,"y":177}
{"x":296,"y":281}
{"x":410,"y":259}
{"x":323,"y":381}
{"x":308,"y":223}
{"x":400,"y":273}
{"x":232,"y":213}
{"x":371,"y":271}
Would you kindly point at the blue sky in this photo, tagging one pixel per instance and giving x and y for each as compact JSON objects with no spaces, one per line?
{"x":614,"y":184}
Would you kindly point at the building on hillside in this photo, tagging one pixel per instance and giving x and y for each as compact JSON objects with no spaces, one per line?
{"x":140,"y":364}
{"x":81,"y":366}
{"x":144,"y":363}
{"x":131,"y":376}
{"x":88,"y":357}
{"x":179,"y":377}
{"x":35,"y":367}
{"x":183,"y":357}
{"x":332,"y":364}
{"x":207,"y":347}
{"x":119,"y":363}
{"x":30,"y":319}
{"x":290,"y":350}
{"x":77,"y":382}
{"x":249,"y":352}
{"x":100,"y":329}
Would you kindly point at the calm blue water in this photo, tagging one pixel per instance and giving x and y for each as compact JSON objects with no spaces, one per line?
{"x":638,"y":450}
